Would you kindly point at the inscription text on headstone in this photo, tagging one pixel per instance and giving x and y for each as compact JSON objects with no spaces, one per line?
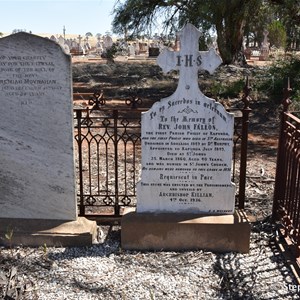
{"x":187,"y":141}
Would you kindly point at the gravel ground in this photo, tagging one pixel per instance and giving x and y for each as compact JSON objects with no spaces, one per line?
{"x":104,"y":271}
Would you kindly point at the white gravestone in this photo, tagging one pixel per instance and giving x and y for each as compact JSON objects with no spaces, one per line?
{"x":36,"y":130}
{"x":264,"y":52}
{"x":187,"y":141}
{"x":131,"y":50}
{"x":108,"y":42}
{"x":61,"y":41}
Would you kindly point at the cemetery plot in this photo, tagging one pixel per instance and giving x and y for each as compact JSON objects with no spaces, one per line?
{"x":110,"y":159}
{"x":187,"y":141}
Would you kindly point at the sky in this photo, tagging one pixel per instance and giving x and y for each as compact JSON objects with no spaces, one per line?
{"x":45,"y":16}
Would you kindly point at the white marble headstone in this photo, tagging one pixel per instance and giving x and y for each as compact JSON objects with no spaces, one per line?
{"x":187,"y":141}
{"x":108,"y":42}
{"x":131,"y":50}
{"x":265,"y":43}
{"x":61,"y":40}
{"x":36,"y":130}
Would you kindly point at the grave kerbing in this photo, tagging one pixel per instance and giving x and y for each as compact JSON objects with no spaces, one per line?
{"x":186,"y":165}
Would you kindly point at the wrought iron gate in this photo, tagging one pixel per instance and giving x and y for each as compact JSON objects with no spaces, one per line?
{"x":286,"y":206}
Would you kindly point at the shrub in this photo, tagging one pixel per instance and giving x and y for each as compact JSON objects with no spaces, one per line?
{"x":276,"y":79}
{"x":277,"y":34}
{"x":231,"y":89}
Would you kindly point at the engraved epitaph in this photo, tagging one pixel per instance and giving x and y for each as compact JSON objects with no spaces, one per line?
{"x":187,"y":141}
{"x":36,"y":130}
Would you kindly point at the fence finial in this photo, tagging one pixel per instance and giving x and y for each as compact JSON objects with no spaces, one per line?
{"x":286,"y":102}
{"x":97,"y":100}
{"x":135,"y":99}
{"x":246,"y":96}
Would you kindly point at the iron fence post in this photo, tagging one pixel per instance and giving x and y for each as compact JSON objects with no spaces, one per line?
{"x":279,"y":190}
{"x":79,"y":145}
{"x":117,"y":206}
{"x":244,"y":145}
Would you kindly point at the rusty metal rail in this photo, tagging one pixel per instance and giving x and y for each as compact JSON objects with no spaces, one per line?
{"x":286,"y":206}
{"x":108,"y":155}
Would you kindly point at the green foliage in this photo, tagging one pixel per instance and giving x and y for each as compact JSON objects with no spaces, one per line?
{"x":277,"y":34}
{"x":226,"y":17}
{"x":276,"y":79}
{"x":9,"y":236}
{"x":287,"y":11}
{"x":230,"y":90}
{"x":296,"y":101}
{"x":111,"y":53}
{"x":232,"y":20}
{"x":257,"y":23}
{"x":45,"y":250}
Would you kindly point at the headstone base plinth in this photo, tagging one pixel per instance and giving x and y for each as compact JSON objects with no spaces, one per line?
{"x":36,"y":232}
{"x":174,"y":232}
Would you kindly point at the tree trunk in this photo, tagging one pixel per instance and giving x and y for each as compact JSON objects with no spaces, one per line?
{"x":230,"y":31}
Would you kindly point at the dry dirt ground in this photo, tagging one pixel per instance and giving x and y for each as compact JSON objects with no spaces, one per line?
{"x":121,"y":80}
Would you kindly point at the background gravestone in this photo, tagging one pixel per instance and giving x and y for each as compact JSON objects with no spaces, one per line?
{"x":36,"y":130}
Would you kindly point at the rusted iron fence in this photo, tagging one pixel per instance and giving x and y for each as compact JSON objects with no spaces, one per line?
{"x":108,"y":148}
{"x":286,"y":206}
{"x":108,"y":155}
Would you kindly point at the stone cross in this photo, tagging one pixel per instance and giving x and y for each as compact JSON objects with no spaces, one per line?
{"x":79,"y":39}
{"x":189,"y":60}
{"x":265,"y":41}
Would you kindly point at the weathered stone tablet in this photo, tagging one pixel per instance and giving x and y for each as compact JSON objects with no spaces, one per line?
{"x":36,"y":130}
